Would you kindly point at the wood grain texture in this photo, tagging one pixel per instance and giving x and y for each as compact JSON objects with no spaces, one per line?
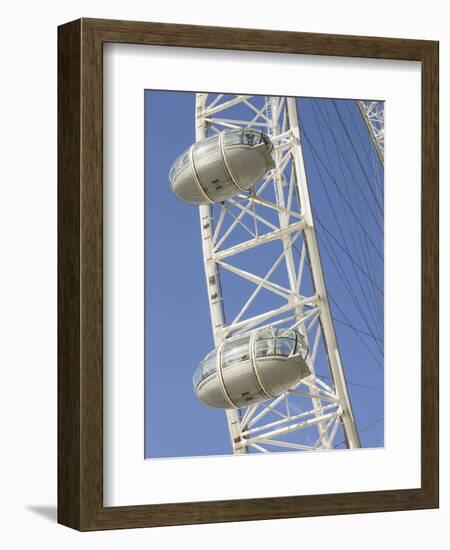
{"x":80,"y":264}
{"x":430,"y":273}
{"x":69,"y":244}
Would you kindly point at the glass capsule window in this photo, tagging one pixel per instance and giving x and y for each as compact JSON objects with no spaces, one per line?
{"x":209,"y":364}
{"x":251,"y":137}
{"x":263,"y":348}
{"x":236,"y":351}
{"x":232,"y":137}
{"x":265,"y":333}
{"x":174,"y":169}
{"x":246,"y":137}
{"x":197,"y":377}
{"x":206,"y":146}
{"x":207,"y":367}
{"x":180,"y":163}
{"x":285,"y":346}
{"x":279,"y":341}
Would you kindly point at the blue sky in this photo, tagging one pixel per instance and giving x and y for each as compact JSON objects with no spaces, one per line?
{"x":346,"y":187}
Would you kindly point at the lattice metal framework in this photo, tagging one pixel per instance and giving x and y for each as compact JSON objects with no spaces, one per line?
{"x":263,"y":267}
{"x":373,"y":115}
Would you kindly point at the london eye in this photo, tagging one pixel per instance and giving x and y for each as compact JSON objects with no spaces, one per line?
{"x":276,"y":367}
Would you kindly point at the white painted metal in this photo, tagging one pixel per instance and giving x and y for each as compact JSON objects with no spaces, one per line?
{"x":212,"y":281}
{"x":277,"y":210}
{"x":373,"y":116}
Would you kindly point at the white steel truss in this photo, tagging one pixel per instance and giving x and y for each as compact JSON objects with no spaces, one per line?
{"x":373,"y":116}
{"x":273,"y":225}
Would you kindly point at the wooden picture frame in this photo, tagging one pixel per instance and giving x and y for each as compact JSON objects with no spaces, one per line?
{"x":80,"y":272}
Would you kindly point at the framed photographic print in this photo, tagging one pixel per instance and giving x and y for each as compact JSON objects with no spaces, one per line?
{"x":248,"y":274}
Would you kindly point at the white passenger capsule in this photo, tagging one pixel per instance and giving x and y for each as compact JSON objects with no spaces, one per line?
{"x":219,"y":167}
{"x":251,"y":368}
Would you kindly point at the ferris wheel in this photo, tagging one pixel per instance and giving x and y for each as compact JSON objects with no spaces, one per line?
{"x":270,"y":313}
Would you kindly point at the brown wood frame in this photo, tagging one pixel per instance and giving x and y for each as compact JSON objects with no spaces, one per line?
{"x":80,"y":301}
